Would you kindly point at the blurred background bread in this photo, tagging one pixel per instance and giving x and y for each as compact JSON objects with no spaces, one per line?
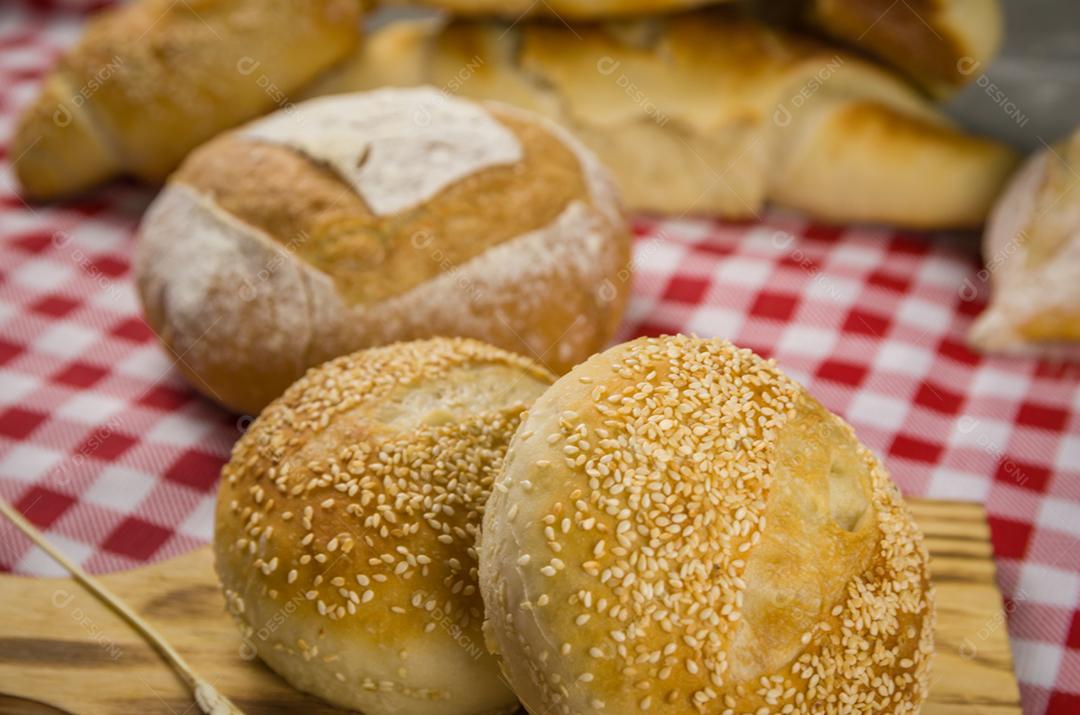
{"x":361,"y":220}
{"x":1031,"y":248}
{"x":347,"y":520}
{"x":150,"y":80}
{"x":940,"y":44}
{"x":720,"y":110}
{"x":679,"y":527}
{"x":552,"y":9}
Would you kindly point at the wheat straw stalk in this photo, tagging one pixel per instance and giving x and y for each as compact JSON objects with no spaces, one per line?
{"x":210,"y":701}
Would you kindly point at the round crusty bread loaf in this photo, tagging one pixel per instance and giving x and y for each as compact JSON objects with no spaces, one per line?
{"x":347,"y":520}
{"x":359,"y":220}
{"x":681,"y":528}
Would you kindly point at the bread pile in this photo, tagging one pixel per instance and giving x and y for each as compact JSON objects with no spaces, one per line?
{"x":425,"y":518}
{"x":672,"y":527}
{"x":721,"y":110}
{"x":713,"y":110}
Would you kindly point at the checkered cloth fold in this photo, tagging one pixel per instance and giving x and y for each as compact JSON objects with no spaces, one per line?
{"x":105,"y":447}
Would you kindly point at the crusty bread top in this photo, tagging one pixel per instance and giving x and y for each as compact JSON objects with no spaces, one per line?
{"x":680,"y":527}
{"x":363,"y":485}
{"x":474,"y":177}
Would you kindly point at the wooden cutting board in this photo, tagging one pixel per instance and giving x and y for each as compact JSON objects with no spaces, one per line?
{"x":63,"y":652}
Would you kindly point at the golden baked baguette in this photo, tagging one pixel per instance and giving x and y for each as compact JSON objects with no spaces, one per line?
{"x":152,"y":79}
{"x":347,"y":520}
{"x":711,"y":112}
{"x":680,"y":528}
{"x":1032,"y":252}
{"x":360,"y":220}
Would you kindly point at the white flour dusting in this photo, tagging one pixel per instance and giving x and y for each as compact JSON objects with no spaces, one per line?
{"x":575,"y":248}
{"x":397,"y":147}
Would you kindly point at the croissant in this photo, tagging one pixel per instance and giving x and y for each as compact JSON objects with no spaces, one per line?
{"x":710,"y":112}
{"x":149,"y":81}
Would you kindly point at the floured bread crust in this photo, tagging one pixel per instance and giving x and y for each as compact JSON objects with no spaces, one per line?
{"x":680,"y":528}
{"x":1032,"y":253}
{"x":347,"y":519}
{"x":522,"y":244}
{"x":395,"y":152}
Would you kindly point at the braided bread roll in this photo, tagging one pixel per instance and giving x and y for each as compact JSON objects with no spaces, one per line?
{"x":150,"y":80}
{"x":710,"y":112}
{"x":360,"y":220}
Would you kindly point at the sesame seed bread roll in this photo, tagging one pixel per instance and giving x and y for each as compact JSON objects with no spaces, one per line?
{"x":347,"y":520}
{"x":680,"y":528}
{"x":359,"y":220}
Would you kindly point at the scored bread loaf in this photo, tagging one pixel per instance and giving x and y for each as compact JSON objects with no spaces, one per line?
{"x":1031,"y":248}
{"x":360,"y":220}
{"x":680,"y":528}
{"x":347,"y":519}
{"x":710,"y":112}
{"x":152,"y":79}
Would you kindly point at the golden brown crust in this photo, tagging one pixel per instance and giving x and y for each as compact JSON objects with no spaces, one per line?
{"x":369,"y":257}
{"x":943,"y":44}
{"x":154,"y":78}
{"x":680,"y":528}
{"x":888,"y":156}
{"x":722,"y":111}
{"x":257,"y":262}
{"x":352,"y":505}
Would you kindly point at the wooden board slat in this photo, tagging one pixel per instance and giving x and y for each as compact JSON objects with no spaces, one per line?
{"x":63,"y":652}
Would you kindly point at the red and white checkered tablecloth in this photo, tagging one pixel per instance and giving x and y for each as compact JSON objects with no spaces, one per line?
{"x":106,"y":448}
